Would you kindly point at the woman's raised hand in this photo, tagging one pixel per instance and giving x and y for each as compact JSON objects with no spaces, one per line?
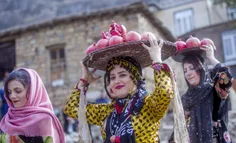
{"x":154,"y":49}
{"x":209,"y":51}
{"x":210,"y":54}
{"x":88,"y":76}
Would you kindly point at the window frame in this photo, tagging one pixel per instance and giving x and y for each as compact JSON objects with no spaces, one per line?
{"x":229,"y":35}
{"x":57,"y":47}
{"x":182,"y":15}
{"x":230,"y":11}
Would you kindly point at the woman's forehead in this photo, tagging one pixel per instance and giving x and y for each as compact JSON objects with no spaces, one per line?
{"x":14,"y":83}
{"x":118,"y":69}
{"x":187,"y":64}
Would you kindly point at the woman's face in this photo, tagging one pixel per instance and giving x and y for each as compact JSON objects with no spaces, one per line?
{"x":191,"y":75}
{"x":120,"y":83}
{"x":17,"y":93}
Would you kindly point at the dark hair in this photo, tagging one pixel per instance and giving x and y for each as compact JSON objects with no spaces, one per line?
{"x":106,"y":82}
{"x":19,"y":75}
{"x":195,"y":61}
{"x":198,"y":65}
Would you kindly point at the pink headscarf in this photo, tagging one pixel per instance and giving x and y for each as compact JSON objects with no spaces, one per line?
{"x":36,"y":118}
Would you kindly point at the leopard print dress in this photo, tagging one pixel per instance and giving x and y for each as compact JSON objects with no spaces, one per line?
{"x":146,"y":124}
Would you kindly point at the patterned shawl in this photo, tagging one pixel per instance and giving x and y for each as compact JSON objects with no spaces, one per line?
{"x":199,"y":100}
{"x":119,"y":123}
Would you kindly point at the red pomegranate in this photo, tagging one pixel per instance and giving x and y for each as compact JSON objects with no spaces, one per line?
{"x":115,"y":33}
{"x":133,"y":36}
{"x":117,"y":29}
{"x":145,"y":36}
{"x":207,"y":41}
{"x":193,"y":42}
{"x":106,"y":35}
{"x":102,"y":43}
{"x":91,"y":48}
{"x":180,"y":45}
{"x":115,"y":40}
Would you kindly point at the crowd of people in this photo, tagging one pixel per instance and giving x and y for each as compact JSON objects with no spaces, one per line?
{"x":130,"y":114}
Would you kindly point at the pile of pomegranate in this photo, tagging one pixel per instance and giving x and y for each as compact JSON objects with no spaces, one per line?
{"x":117,"y":34}
{"x":193,"y":42}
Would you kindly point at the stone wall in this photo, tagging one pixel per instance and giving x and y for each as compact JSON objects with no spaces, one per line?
{"x":32,"y":51}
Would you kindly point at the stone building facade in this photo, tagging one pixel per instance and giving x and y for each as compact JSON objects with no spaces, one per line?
{"x":64,"y":41}
{"x":55,"y":48}
{"x":187,"y":15}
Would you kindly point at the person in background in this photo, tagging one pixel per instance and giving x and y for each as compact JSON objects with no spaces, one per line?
{"x":3,"y":105}
{"x":206,"y":100}
{"x":30,"y":116}
{"x":103,"y":98}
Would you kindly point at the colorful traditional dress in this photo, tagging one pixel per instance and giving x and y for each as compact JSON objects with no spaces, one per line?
{"x":4,"y":138}
{"x":111,"y":117}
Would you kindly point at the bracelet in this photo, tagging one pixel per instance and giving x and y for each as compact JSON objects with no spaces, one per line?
{"x":159,"y":66}
{"x":156,"y":66}
{"x":83,"y":80}
{"x":86,"y":84}
{"x":154,"y":63}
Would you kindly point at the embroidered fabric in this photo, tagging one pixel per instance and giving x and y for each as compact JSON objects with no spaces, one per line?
{"x":120,"y":124}
{"x":180,"y":128}
{"x":84,"y":133}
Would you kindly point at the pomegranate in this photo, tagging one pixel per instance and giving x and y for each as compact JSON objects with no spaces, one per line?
{"x":207,"y":41}
{"x":91,"y":48}
{"x":106,"y":35}
{"x":117,"y":29}
{"x":115,"y":40}
{"x":115,"y":33}
{"x":146,"y":34}
{"x":102,"y":43}
{"x":180,"y":45}
{"x":193,"y":42}
{"x":133,"y":36}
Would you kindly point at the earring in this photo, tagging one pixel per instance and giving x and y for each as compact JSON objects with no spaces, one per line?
{"x":130,"y":92}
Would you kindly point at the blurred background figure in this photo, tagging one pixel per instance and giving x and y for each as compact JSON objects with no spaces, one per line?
{"x":3,"y":103}
{"x":70,"y":129}
{"x":70,"y":125}
{"x":103,"y":98}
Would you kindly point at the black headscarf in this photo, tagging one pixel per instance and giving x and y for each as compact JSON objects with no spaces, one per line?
{"x":200,"y":101}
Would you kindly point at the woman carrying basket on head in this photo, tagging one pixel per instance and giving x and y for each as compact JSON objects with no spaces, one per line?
{"x":206,"y":100}
{"x":133,"y":115}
